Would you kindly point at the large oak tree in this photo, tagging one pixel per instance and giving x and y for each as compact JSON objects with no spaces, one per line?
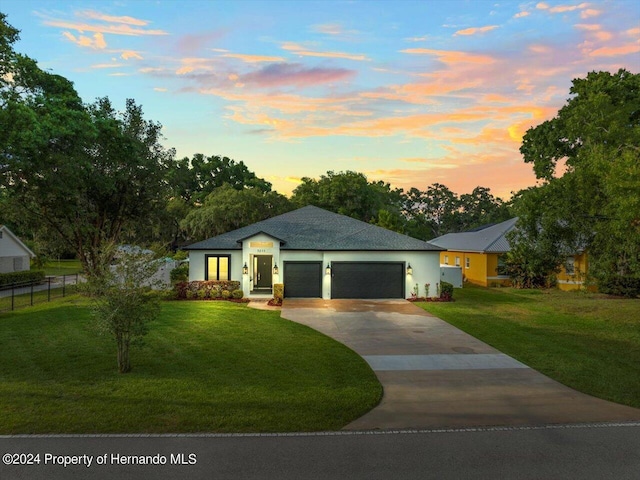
{"x":588,"y":157}
{"x":78,"y":172}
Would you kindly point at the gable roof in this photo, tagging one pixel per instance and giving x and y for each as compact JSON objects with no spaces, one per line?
{"x":312,"y":228}
{"x":4,"y":229}
{"x":488,"y":239}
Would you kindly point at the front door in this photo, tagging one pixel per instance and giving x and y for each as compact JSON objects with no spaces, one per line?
{"x":263,"y":271}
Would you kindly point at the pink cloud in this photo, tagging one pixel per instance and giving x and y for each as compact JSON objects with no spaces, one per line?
{"x":188,"y":44}
{"x":615,"y":51}
{"x":253,"y":58}
{"x":127,"y":54}
{"x":451,"y":56}
{"x":288,"y":74}
{"x":476,"y":30}
{"x":521,"y":14}
{"x":304,"y":52}
{"x":111,"y":19}
{"x":120,"y":29}
{"x":97,"y":42}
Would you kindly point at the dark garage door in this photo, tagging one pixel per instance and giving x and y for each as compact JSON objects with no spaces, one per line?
{"x":367,"y":280}
{"x":303,"y":279}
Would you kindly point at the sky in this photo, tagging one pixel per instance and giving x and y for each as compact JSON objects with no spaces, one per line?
{"x":411,"y":93}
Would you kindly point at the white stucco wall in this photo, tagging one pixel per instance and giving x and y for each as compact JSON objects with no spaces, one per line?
{"x":425,"y":265}
{"x":196,"y":263}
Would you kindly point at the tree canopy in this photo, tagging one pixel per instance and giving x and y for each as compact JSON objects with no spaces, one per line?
{"x":594,"y":203}
{"x":78,"y":172}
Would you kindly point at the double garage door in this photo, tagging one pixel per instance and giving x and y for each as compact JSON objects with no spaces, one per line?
{"x":348,"y":279}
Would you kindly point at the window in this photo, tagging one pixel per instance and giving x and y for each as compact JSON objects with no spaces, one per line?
{"x":457,"y":261}
{"x":446,"y":259}
{"x":570,"y":266}
{"x":467,"y":262}
{"x":217,"y":267}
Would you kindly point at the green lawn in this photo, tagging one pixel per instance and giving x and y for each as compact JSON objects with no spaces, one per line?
{"x":205,"y":367}
{"x":62,"y":267}
{"x":590,"y":342}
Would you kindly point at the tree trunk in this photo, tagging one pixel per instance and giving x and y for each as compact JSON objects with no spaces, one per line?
{"x":124,"y":365}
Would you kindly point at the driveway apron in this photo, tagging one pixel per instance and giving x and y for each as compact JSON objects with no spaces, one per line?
{"x":436,"y":376}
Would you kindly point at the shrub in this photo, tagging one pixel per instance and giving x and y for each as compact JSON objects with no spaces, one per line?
{"x":237,"y":294}
{"x":278,"y":293}
{"x":180,"y":274}
{"x":204,"y":289}
{"x":181,"y":255}
{"x":35,"y":276}
{"x":620,"y":285}
{"x":226,"y":294}
{"x":446,"y":291}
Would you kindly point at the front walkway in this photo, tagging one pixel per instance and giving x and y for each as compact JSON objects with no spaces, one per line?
{"x":436,"y":376}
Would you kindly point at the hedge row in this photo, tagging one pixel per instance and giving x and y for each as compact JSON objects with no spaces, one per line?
{"x":26,"y":276}
{"x":207,"y":290}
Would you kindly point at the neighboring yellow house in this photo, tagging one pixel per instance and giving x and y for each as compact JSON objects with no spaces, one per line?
{"x":481,"y":253}
{"x":574,"y":272}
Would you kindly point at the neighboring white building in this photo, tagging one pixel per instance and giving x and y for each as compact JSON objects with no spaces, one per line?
{"x":317,"y":254}
{"x":15,"y":256}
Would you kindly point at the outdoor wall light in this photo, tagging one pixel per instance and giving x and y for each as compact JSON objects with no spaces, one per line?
{"x":409,"y":269}
{"x":328,"y":269}
{"x":245,"y":269}
{"x":275,"y":270}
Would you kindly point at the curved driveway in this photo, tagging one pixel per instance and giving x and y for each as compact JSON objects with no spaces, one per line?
{"x":434,"y":375}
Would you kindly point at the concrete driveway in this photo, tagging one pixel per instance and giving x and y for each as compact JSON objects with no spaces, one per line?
{"x":436,"y":376}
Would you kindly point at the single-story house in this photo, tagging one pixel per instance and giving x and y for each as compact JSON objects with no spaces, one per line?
{"x":317,"y":253}
{"x":481,"y":253}
{"x":15,"y":256}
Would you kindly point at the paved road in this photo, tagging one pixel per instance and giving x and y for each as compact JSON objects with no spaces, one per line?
{"x":569,"y":452}
{"x":435,"y":375}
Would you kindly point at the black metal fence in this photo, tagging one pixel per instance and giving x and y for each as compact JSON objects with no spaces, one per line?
{"x":27,"y":294}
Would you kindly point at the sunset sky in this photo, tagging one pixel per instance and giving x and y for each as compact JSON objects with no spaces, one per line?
{"x":411,"y":93}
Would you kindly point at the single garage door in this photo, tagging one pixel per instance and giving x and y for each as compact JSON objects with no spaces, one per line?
{"x":303,"y":279}
{"x":367,"y":280}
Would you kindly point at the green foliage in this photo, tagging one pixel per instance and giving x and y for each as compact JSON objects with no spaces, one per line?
{"x":446,"y":291}
{"x":26,"y":276}
{"x":123,"y":304}
{"x":226,"y":294}
{"x":437,"y":211}
{"x":278,"y":293}
{"x":390,"y":221}
{"x":621,"y":285}
{"x":227,"y":209}
{"x":237,"y":294}
{"x":594,"y":205}
{"x":180,"y":273}
{"x":181,"y":255}
{"x":195,"y":179}
{"x":80,"y":174}
{"x":199,"y":289}
{"x":348,"y":193}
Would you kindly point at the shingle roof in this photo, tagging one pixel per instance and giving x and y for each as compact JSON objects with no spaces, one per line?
{"x":491,"y":239}
{"x":312,"y":228}
{"x":5,"y":229}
